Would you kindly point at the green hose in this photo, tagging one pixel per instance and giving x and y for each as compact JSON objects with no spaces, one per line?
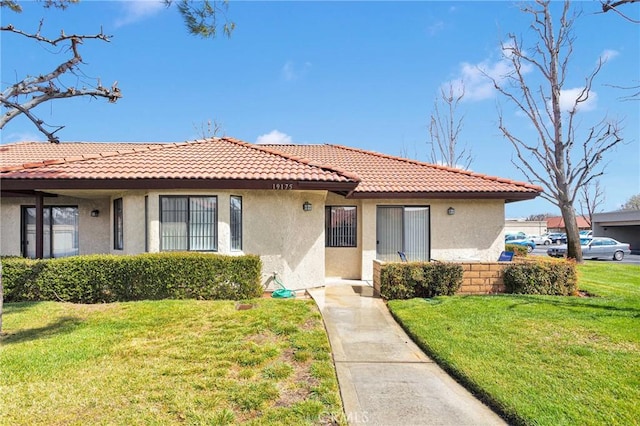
{"x":282,"y":292}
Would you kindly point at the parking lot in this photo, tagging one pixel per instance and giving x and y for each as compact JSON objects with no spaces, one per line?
{"x":633,"y":259}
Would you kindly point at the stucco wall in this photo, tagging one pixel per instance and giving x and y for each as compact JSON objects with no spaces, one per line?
{"x":289,"y":240}
{"x":93,"y":232}
{"x":345,"y":262}
{"x":474,"y":232}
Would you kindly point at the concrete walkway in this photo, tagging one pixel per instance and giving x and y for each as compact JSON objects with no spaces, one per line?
{"x":384,"y":378}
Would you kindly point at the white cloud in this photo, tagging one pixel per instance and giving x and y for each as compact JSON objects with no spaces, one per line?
{"x":435,"y":28}
{"x":568,"y":98}
{"x":274,"y":137}
{"x":137,"y":10}
{"x":290,"y":71}
{"x":608,"y":55}
{"x":22,"y":137}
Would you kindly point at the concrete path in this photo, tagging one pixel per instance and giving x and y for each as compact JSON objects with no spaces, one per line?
{"x":384,"y":378}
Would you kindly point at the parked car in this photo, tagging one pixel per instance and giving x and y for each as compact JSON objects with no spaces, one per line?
{"x":520,"y":241}
{"x":586,"y":233}
{"x":594,"y":248}
{"x":540,"y":239}
{"x":558,"y":238}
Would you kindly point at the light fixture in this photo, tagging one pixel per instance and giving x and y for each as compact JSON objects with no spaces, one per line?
{"x":95,"y":213}
{"x":307,"y":206}
{"x":451,"y":211}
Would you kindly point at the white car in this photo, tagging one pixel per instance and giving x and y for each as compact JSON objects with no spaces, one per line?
{"x":596,"y":247}
{"x":540,"y":239}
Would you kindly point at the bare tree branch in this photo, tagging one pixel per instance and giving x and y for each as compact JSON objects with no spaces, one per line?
{"x":564,"y":159}
{"x":445,"y":128}
{"x":592,"y":197}
{"x":43,"y":88}
{"x":609,"y":5}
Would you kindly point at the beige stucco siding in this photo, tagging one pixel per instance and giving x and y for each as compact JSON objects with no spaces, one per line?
{"x":345,"y":262}
{"x":288,"y":240}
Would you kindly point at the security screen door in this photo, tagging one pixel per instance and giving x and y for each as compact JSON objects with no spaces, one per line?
{"x":402,"y":228}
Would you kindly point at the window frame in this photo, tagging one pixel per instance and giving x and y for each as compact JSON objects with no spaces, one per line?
{"x":233,"y":226}
{"x":330,"y":238}
{"x":47,"y":228}
{"x":188,"y":222}
{"x":118,"y":224}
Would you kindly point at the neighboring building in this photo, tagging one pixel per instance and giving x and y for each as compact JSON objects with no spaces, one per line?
{"x":309,"y":211}
{"x":556,"y":224}
{"x":623,"y":226}
{"x":529,"y":227}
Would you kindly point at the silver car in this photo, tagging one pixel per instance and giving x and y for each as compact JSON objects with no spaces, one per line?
{"x":595,"y":247}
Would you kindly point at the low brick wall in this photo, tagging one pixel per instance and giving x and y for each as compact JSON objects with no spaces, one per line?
{"x":477,"y":277}
{"x":482,"y":278}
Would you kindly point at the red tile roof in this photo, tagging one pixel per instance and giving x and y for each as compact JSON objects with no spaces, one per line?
{"x":385,"y":174}
{"x":557,"y":222}
{"x":362,"y":173}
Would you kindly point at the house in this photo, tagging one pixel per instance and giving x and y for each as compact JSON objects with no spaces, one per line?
{"x":556,"y":223}
{"x":528,"y":227}
{"x":309,"y":211}
{"x":621,"y":225}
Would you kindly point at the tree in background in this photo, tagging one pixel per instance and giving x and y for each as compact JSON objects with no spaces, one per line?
{"x":538,"y":217}
{"x":632,"y":203}
{"x":201,"y":18}
{"x":592,"y":198}
{"x":562,"y":157}
{"x":445,"y":127}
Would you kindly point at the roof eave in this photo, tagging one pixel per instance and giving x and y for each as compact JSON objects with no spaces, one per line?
{"x":508,"y":197}
{"x":262,"y":184}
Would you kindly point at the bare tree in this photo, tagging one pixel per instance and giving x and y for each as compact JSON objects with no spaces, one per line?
{"x":592,"y":198}
{"x":208,"y":130}
{"x":632,"y":203}
{"x":67,"y":80}
{"x":445,"y":127}
{"x":562,"y":158}
{"x":613,"y":6}
{"x":538,"y":217}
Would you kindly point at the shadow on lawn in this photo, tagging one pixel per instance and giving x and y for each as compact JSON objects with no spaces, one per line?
{"x":570,"y":302}
{"x":60,"y":326}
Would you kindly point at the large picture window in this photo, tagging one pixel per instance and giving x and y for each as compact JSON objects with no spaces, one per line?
{"x":341,"y":226}
{"x":118,"y":225}
{"x":60,"y":231}
{"x":188,"y":223}
{"x":236,"y":222}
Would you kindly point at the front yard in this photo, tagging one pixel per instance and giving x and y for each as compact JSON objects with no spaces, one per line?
{"x":166,"y":362}
{"x":542,"y":360}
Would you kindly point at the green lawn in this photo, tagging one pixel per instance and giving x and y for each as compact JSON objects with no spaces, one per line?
{"x":542,"y":360}
{"x":166,"y":362}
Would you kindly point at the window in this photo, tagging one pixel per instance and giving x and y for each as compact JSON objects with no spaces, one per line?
{"x":236,"y":222}
{"x":60,"y":231}
{"x":341,"y":226}
{"x":188,"y":223}
{"x":118,"y":225}
{"x":402,"y":229}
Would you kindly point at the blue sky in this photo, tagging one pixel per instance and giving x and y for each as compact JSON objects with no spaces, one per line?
{"x":362,"y":74}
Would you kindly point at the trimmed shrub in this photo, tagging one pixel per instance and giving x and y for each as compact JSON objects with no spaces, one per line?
{"x":519,"y":250}
{"x":419,"y":279}
{"x":550,"y":277}
{"x":109,"y":278}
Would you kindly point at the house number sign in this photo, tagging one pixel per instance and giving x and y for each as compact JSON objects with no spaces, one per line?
{"x":282,"y":186}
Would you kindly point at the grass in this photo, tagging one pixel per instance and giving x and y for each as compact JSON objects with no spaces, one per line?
{"x":542,"y":360}
{"x":166,"y":362}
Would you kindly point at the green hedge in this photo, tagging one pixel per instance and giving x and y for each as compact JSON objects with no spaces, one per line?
{"x":419,"y":279}
{"x":552,"y":277}
{"x":108,"y":278}
{"x":517,"y":249}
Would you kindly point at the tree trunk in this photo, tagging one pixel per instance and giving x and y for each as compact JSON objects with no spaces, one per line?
{"x":574,"y":250}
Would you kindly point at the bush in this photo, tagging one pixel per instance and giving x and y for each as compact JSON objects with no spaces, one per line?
{"x":519,"y":250}
{"x":419,"y":279}
{"x":108,"y":278}
{"x":551,"y":277}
